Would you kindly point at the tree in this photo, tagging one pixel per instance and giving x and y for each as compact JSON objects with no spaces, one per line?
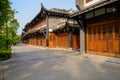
{"x":13,"y":26}
{"x":4,"y":10}
{"x":8,"y":24}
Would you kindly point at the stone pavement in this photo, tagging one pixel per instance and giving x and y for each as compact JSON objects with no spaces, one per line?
{"x":35,"y":63}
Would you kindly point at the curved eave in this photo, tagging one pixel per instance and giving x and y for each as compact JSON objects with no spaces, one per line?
{"x":52,"y":13}
{"x":65,"y":26}
{"x":38,"y":16}
{"x":43,"y":13}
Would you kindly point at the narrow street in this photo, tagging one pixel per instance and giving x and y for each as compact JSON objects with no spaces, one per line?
{"x":33,"y":63}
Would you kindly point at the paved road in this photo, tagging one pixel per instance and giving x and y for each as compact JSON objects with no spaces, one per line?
{"x":32,"y":63}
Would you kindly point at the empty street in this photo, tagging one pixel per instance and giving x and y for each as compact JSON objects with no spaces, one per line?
{"x":34,"y":63}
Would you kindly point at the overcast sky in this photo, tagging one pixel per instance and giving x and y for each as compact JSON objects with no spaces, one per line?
{"x":28,"y":9}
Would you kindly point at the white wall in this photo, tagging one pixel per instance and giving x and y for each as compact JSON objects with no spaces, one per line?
{"x":83,"y":5}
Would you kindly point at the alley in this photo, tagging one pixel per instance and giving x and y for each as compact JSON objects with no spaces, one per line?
{"x":34,"y":63}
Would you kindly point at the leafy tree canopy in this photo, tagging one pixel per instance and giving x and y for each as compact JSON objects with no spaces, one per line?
{"x":5,"y":9}
{"x":7,"y":18}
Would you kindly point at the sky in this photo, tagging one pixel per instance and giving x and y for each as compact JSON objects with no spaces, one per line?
{"x":28,"y":9}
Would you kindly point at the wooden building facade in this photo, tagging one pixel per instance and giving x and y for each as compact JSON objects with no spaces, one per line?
{"x":68,"y":35}
{"x":100,"y":27}
{"x":43,"y":30}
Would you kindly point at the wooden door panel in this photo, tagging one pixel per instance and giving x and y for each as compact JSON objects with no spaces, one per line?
{"x":43,"y":41}
{"x":66,"y":41}
{"x":110,"y":46}
{"x":38,"y":41}
{"x":116,"y":46}
{"x":54,"y":40}
{"x":75,"y":41}
{"x":50,"y":40}
{"x":110,"y":37}
{"x":105,"y":46}
{"x":98,"y":45}
{"x":106,"y":39}
{"x":90,"y":46}
{"x":94,"y":46}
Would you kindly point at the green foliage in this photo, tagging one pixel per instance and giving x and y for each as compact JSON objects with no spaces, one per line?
{"x":5,"y":54}
{"x":5,"y":9}
{"x":9,"y":41}
{"x":7,"y":20}
{"x":1,"y":79}
{"x":2,"y":41}
{"x":16,"y":39}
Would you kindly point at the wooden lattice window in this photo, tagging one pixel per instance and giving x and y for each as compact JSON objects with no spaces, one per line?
{"x":117,"y":31}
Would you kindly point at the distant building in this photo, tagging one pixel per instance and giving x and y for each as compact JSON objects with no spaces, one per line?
{"x":52,"y":28}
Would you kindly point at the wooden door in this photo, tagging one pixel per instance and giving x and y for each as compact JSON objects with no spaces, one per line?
{"x":65,"y":41}
{"x":110,"y":37}
{"x":116,"y":44}
{"x":104,"y":41}
{"x":99,"y":39}
{"x":89,"y":39}
{"x":75,"y":41}
{"x":94,"y":40}
{"x":104,"y":38}
{"x":52,"y":41}
{"x":43,"y":41}
{"x":39,"y":40}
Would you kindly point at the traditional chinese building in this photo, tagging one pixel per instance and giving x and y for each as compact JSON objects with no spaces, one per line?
{"x":52,"y":28}
{"x":99,"y":22}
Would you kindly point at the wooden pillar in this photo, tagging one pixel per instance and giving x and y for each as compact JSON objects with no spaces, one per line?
{"x":57,"y":40}
{"x":47,"y":30}
{"x":36,"y":39}
{"x":70,"y":39}
{"x":81,"y":22}
{"x":41,"y":40}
